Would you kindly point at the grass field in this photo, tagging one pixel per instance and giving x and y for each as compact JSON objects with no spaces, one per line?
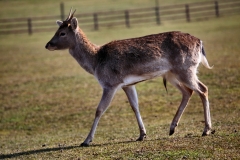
{"x":35,"y":8}
{"x":47,"y":102}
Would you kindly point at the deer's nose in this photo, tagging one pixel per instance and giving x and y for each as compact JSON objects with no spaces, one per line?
{"x":49,"y":44}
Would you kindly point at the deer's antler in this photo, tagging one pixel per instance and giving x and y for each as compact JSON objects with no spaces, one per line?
{"x":70,"y":16}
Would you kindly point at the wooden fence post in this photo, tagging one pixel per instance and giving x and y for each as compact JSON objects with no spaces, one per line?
{"x":127,"y":22}
{"x":62,"y":11}
{"x":216,"y":9}
{"x":95,"y":21}
{"x":157,"y":15}
{"x":187,"y":12}
{"x":29,"y":26}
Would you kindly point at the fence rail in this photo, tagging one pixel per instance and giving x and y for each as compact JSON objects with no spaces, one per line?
{"x":153,"y":15}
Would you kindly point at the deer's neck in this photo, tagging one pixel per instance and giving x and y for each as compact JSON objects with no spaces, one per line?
{"x":84,"y":52}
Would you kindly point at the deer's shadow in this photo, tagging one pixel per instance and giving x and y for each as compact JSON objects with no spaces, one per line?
{"x":30,"y":152}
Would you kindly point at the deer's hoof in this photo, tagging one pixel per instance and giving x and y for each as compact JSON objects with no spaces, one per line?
{"x":84,"y":145}
{"x":208,"y":132}
{"x":141,"y":138}
{"x":171,"y":132}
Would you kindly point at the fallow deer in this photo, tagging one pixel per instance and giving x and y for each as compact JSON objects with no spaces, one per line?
{"x":123,"y":63}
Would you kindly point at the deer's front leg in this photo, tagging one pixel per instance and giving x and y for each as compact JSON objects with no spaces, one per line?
{"x":133,"y":100}
{"x":107,"y":97}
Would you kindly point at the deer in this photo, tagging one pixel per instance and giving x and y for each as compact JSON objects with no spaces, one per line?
{"x":121,"y":64}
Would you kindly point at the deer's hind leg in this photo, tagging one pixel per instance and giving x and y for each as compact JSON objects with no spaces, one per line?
{"x":203,"y":93}
{"x":186,"y":94}
{"x":191,"y":81}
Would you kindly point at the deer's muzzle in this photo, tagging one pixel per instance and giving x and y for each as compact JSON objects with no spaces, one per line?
{"x":50,"y":46}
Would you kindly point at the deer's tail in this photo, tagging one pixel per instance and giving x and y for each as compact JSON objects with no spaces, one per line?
{"x":204,"y":59}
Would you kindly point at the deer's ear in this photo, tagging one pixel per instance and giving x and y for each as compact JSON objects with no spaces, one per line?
{"x":74,"y":23}
{"x":59,"y":23}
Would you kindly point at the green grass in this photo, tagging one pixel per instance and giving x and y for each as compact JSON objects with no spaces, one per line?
{"x":47,"y":102}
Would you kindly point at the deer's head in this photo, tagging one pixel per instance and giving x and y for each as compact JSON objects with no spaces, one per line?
{"x":64,"y":37}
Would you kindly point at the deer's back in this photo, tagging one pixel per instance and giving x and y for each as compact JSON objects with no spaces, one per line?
{"x":149,"y":47}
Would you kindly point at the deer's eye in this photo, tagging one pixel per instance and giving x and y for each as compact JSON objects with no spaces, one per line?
{"x":62,"y":34}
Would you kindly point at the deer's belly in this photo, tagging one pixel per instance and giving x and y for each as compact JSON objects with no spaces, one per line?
{"x":133,"y":79}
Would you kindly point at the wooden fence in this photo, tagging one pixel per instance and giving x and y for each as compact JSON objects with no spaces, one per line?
{"x":128,"y":18}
